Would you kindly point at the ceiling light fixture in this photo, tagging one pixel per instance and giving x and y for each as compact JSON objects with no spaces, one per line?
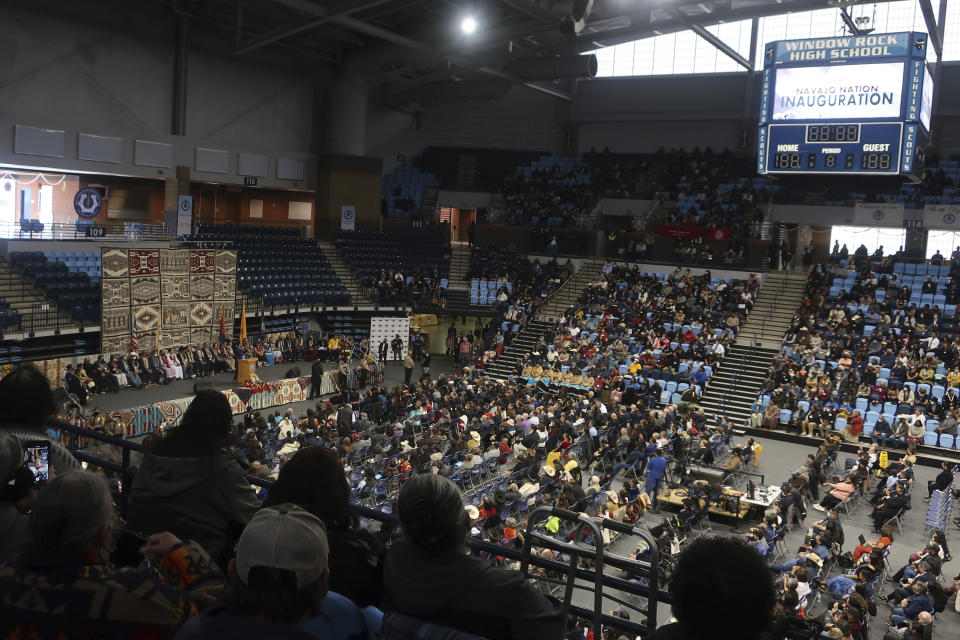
{"x":468,"y":25}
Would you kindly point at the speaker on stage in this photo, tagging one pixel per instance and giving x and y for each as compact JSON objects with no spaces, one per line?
{"x":292,"y":373}
{"x":203,"y":385}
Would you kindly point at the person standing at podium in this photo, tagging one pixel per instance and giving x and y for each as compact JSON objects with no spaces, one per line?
{"x":237,"y":357}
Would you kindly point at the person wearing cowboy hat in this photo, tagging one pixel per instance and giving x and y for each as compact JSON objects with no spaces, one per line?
{"x":474,"y":441}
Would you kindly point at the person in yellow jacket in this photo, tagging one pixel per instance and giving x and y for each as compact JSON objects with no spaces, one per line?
{"x":537,"y":371}
{"x":333,"y":348}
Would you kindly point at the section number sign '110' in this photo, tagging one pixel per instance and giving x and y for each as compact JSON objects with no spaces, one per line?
{"x":846,"y":105}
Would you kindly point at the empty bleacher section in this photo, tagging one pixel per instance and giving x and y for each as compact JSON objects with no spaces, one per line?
{"x":398,"y":268}
{"x":277,"y":266}
{"x":402,"y":191}
{"x":74,"y":290}
{"x":873,"y":339}
{"x":87,"y":262}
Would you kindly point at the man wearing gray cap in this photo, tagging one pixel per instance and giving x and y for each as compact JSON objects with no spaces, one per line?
{"x":278,"y":580}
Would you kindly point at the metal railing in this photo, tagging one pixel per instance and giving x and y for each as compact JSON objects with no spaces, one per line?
{"x":595,"y":580}
{"x":113,"y":232}
{"x":20,"y":290}
{"x":749,"y":359}
{"x":211,"y":221}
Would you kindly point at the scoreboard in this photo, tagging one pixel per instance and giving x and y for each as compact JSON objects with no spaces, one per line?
{"x":845,"y":105}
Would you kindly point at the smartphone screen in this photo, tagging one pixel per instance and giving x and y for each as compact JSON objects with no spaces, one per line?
{"x":37,"y":458}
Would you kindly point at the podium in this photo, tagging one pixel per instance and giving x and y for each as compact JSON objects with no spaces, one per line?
{"x":245,"y":368}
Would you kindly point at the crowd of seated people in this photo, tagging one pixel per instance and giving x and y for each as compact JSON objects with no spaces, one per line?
{"x":413,"y":438}
{"x":937,"y":186}
{"x":515,"y":275}
{"x":701,"y":254}
{"x":711,"y":191}
{"x":855,"y":589}
{"x":143,"y":369}
{"x":553,"y":196}
{"x":872,"y":352}
{"x":631,"y":329}
{"x":505,"y":446}
{"x":392,"y":288}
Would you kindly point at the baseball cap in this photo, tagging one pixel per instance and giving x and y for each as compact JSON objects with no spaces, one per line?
{"x":284,"y":536}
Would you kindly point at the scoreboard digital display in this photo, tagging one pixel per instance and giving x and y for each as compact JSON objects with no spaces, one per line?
{"x":845,"y":105}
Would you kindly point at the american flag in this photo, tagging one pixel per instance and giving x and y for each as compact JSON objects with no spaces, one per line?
{"x":134,"y":340}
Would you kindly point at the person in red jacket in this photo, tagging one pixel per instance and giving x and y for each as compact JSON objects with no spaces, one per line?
{"x":851,"y":432}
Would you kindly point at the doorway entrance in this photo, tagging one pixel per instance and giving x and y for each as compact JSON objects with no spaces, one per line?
{"x":460,"y":221}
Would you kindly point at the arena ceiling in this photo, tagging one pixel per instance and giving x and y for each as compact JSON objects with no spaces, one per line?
{"x":415,"y":45}
{"x":412,"y":43}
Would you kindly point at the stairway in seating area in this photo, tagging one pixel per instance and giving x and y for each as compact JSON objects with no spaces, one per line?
{"x":659,"y":214}
{"x":19,"y":294}
{"x":776,"y":302}
{"x":552,"y":309}
{"x":517,"y":350}
{"x":735,"y":384}
{"x":459,"y":266}
{"x":570,"y":291}
{"x":345,"y":273}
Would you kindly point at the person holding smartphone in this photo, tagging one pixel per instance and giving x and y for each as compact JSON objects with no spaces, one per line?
{"x":14,"y":475}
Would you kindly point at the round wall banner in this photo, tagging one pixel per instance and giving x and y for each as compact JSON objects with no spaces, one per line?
{"x":88,"y":202}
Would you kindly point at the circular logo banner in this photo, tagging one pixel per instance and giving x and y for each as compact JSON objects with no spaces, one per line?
{"x":88,"y":202}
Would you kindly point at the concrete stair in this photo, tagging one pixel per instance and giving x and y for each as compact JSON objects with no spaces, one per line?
{"x":345,"y":272}
{"x":497,"y":213}
{"x":459,"y":266}
{"x":517,"y":350}
{"x":19,"y":291}
{"x":734,"y":386}
{"x":659,"y":214}
{"x":570,"y":291}
{"x":551,"y":310}
{"x":429,"y":213}
{"x":777,"y":300}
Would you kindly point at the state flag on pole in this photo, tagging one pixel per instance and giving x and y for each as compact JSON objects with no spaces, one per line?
{"x":243,"y":323}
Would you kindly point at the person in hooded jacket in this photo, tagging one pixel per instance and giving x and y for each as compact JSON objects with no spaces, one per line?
{"x":190,"y":484}
{"x":428,"y":575}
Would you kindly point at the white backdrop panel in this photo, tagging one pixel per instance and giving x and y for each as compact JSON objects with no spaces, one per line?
{"x":388,"y":328}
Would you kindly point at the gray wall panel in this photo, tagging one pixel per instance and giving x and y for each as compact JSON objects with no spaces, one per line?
{"x":36,"y":141}
{"x":99,"y":148}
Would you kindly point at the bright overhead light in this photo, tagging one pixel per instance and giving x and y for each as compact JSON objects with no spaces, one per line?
{"x":468,"y":25}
